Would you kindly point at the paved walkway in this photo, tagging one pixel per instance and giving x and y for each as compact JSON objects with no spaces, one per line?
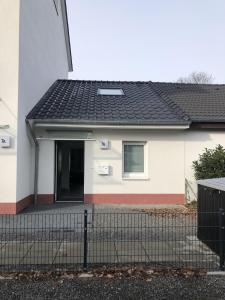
{"x":55,"y":252}
{"x":53,"y":235}
{"x":57,"y":208}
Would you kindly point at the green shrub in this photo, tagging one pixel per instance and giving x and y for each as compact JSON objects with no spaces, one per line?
{"x":211,"y":164}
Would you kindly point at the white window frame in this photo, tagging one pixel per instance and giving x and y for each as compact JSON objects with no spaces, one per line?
{"x":136,"y":175}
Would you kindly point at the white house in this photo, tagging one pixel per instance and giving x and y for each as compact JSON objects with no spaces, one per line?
{"x":123,"y":142}
{"x":92,"y":141}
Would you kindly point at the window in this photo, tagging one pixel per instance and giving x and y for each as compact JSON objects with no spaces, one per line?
{"x":134,"y":159}
{"x":110,"y":92}
{"x":56,"y":4}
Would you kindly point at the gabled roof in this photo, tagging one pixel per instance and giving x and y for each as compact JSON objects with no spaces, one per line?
{"x":78,"y":101}
{"x":143,"y":103}
{"x":201,"y":102}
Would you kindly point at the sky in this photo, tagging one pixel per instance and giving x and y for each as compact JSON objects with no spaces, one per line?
{"x":157,"y":40}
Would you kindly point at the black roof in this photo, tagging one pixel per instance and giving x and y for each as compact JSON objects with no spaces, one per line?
{"x":201,"y":102}
{"x":143,"y":103}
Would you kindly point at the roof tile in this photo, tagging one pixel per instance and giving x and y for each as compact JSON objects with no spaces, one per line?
{"x":142,"y":103}
{"x":78,"y":101}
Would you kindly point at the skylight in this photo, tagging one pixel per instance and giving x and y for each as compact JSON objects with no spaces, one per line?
{"x":111,"y":92}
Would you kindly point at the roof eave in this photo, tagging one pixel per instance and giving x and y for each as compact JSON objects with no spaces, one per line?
{"x":67,"y":35}
{"x":208,"y":121}
{"x":112,"y":124}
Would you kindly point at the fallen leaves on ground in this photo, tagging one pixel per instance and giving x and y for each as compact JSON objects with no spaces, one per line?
{"x":170,"y":212}
{"x":115,"y":273}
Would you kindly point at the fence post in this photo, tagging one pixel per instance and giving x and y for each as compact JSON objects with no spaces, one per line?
{"x":221,"y":238}
{"x":85,"y":239}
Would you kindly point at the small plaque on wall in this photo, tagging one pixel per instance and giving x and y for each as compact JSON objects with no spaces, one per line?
{"x":5,"y":141}
{"x":104,"y":144}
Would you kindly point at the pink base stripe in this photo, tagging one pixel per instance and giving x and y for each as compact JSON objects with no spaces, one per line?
{"x":135,"y":198}
{"x":16,"y":207}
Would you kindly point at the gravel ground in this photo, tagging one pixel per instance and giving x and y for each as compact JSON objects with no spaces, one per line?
{"x":163,"y":287}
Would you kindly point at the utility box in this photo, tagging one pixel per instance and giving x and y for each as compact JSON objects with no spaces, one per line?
{"x":103,"y":170}
{"x":211,"y":215}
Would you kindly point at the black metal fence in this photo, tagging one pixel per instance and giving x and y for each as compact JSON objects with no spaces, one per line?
{"x":83,"y":240}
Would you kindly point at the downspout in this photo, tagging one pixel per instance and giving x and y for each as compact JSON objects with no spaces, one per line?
{"x":36,"y":161}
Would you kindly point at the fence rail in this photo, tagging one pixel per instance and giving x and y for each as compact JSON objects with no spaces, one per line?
{"x":79,"y":240}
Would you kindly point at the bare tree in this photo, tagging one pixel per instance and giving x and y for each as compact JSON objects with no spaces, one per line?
{"x":197,"y":78}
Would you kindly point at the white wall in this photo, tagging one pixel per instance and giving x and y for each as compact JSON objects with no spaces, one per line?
{"x":165,"y":149}
{"x":195,"y":143}
{"x":9,"y":60}
{"x":170,"y":157}
{"x":46,"y":167}
{"x":42,"y":60}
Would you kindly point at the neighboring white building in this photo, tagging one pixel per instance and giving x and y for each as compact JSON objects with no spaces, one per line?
{"x":92,"y":141}
{"x":34,"y":52}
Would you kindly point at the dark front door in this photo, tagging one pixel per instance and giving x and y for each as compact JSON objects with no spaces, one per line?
{"x":70,"y":171}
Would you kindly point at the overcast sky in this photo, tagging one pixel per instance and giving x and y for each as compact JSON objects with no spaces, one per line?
{"x":158,"y":40}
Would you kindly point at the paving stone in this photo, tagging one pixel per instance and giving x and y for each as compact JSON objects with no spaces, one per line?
{"x":130,"y":251}
{"x":69,"y":253}
{"x":196,"y":257}
{"x":102,"y":252}
{"x":160,"y":252}
{"x":166,"y":258}
{"x":41,"y":253}
{"x":13,"y":252}
{"x":160,"y":248}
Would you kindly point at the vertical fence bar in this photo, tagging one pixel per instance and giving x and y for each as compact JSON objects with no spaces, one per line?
{"x":85,"y":239}
{"x":93,"y":214}
{"x":221,"y":238}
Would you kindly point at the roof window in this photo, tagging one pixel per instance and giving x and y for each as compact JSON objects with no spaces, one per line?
{"x":110,"y":92}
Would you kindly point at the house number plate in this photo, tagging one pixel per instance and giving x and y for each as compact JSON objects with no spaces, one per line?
{"x":4,"y":141}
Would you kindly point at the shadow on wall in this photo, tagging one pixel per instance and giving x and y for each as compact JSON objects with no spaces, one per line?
{"x":199,"y":135}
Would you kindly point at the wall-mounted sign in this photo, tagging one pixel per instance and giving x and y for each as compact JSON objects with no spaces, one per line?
{"x":5,"y":142}
{"x":104,"y":144}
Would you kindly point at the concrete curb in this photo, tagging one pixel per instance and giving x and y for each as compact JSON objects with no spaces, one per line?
{"x":216,"y":273}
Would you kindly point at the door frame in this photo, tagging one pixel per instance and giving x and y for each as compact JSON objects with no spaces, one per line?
{"x":56,"y":171}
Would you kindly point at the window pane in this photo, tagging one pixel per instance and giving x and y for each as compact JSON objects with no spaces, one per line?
{"x":133,"y":158}
{"x":112,"y":92}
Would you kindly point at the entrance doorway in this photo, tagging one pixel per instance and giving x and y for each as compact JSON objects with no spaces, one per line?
{"x":70,"y":171}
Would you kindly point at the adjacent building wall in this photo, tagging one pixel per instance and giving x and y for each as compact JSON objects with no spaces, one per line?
{"x":9,"y":60}
{"x":42,"y":60}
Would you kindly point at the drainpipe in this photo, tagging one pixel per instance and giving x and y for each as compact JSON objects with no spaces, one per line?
{"x":36,"y":161}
